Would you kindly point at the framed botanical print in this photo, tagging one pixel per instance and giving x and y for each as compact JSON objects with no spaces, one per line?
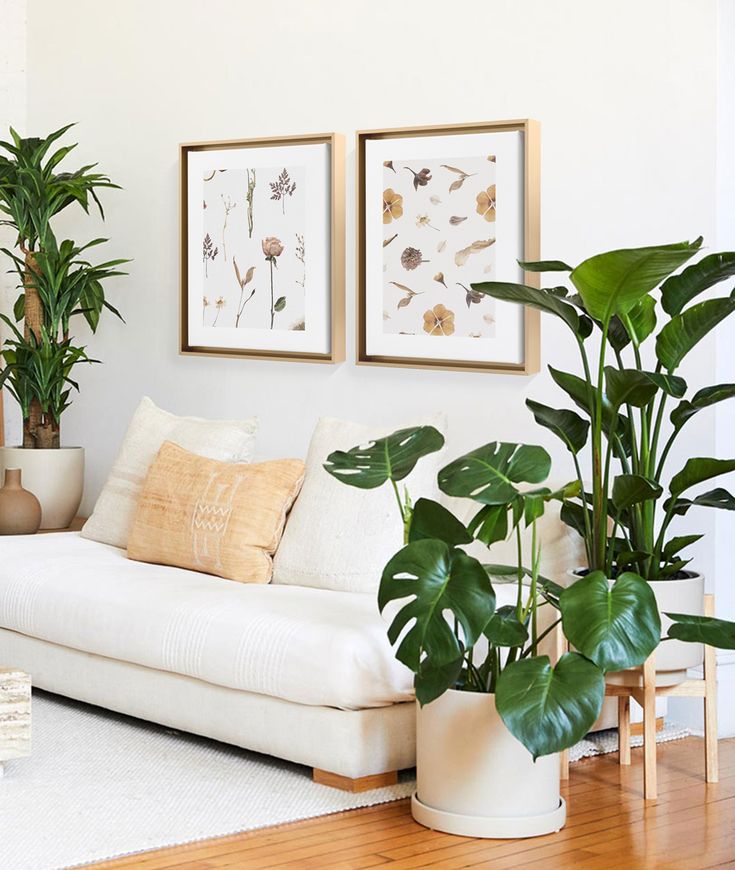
{"x":262,"y":248}
{"x":441,"y":209}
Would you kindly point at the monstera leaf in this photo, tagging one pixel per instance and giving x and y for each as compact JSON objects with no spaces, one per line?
{"x":702,"y":629}
{"x":616,"y":625}
{"x":432,"y":681}
{"x":505,"y":629}
{"x":550,"y":708}
{"x":679,"y":290}
{"x":432,"y":520}
{"x":616,"y":281}
{"x":390,"y":458}
{"x":565,"y":424}
{"x":489,"y":474}
{"x":436,"y":579}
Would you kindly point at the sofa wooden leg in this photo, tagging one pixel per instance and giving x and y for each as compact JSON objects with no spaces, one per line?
{"x":360,"y":783}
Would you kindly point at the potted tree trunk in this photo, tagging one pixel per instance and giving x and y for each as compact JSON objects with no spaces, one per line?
{"x":57,"y":283}
{"x":634,"y":319}
{"x":493,"y":710}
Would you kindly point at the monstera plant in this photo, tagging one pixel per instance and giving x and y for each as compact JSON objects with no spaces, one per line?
{"x":447,"y":628}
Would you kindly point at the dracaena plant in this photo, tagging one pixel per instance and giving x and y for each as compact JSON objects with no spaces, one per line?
{"x":446,"y":625}
{"x":57,"y":281}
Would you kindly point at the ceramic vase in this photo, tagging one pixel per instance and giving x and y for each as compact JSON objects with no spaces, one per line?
{"x":20,"y":510}
{"x":55,"y":477}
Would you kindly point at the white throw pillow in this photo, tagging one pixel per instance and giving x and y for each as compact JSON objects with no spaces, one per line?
{"x":338,"y":536}
{"x":226,"y":440}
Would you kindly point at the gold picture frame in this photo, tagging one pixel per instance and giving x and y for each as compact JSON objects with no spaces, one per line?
{"x":336,"y":235}
{"x":530,"y":131}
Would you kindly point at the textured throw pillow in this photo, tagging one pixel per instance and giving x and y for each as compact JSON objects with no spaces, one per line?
{"x":226,"y":440}
{"x":340,"y":537}
{"x":220,"y":518}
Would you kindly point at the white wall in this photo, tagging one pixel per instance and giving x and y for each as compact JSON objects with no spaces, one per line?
{"x":12,"y":112}
{"x":626,"y":94}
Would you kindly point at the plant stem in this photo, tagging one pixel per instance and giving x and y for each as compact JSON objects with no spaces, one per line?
{"x":273,"y":311}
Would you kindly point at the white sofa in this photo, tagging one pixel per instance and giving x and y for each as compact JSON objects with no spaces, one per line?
{"x":301,"y":673}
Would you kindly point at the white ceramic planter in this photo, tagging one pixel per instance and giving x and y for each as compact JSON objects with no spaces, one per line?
{"x":674,"y":657}
{"x":55,"y":477}
{"x":475,"y":779}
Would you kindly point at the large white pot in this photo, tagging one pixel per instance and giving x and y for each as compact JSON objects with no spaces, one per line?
{"x":674,"y":657}
{"x":55,"y":477}
{"x":475,"y":779}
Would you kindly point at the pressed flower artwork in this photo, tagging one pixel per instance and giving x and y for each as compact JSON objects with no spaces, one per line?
{"x":260,"y":218}
{"x":459,"y":209}
{"x":424,"y":200}
{"x":253,"y":229}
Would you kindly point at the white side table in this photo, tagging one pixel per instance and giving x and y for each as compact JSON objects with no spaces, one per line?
{"x":15,"y":715}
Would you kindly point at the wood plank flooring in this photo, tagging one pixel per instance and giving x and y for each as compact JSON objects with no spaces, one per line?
{"x":690,"y":827}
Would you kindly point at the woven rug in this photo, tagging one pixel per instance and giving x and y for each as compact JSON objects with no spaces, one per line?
{"x":100,"y":785}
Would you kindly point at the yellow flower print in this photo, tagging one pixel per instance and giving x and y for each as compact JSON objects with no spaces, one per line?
{"x":486,"y":203}
{"x":392,"y":205}
{"x":439,"y":321}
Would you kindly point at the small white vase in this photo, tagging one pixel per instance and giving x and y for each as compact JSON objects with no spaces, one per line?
{"x":675,"y":657}
{"x":55,"y":477}
{"x":475,"y":779}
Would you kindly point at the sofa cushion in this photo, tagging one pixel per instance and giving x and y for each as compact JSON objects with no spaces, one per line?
{"x":338,"y":536}
{"x":222,"y":518}
{"x":310,"y":646}
{"x":226,"y":440}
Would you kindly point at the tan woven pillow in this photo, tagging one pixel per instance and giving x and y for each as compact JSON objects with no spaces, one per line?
{"x":216,"y":517}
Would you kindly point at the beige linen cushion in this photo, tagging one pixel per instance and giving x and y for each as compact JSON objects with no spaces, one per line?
{"x":226,"y":440}
{"x":220,"y":518}
{"x":339,"y":537}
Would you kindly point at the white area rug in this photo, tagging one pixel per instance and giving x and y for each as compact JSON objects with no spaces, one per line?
{"x":100,"y":785}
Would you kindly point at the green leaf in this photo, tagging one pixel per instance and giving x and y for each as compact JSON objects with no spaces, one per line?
{"x":544,"y":300}
{"x":504,"y":628}
{"x":702,"y":399}
{"x":573,"y":515}
{"x":432,"y":682}
{"x":436,"y":579}
{"x":550,"y":708}
{"x":629,"y":557}
{"x":489,"y":474}
{"x":280,"y":303}
{"x":544,"y":266}
{"x":390,"y":458}
{"x":615,"y":625}
{"x":432,"y":520}
{"x":640,"y":321}
{"x":702,"y":629}
{"x":679,"y":543}
{"x":632,"y":489}
{"x":697,"y":470}
{"x":686,"y":330}
{"x":716,"y":498}
{"x":628,"y":387}
{"x":616,"y":281}
{"x":679,"y":290}
{"x":565,"y":424}
{"x":490,"y":524}
{"x":19,"y":309}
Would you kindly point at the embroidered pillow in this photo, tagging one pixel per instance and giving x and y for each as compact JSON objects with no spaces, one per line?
{"x":215,"y":517}
{"x":227,"y":440}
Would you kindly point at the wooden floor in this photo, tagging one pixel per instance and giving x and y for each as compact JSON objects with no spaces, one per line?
{"x":692,"y":825}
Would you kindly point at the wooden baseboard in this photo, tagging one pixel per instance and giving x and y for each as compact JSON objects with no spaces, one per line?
{"x":637,"y":727}
{"x":361,"y":783}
